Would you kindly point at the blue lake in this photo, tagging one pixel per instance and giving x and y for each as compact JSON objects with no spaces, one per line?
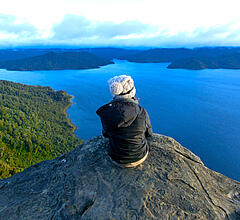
{"x":200,"y":109}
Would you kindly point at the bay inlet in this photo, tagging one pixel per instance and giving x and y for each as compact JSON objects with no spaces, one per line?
{"x":200,"y":109}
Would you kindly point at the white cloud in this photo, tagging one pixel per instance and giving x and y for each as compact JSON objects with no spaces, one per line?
{"x":171,"y":14}
{"x":78,"y":27}
{"x":74,"y":30}
{"x":125,"y":22}
{"x":8,"y":25}
{"x":14,"y":32}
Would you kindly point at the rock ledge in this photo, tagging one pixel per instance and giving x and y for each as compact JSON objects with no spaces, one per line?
{"x":173,"y":183}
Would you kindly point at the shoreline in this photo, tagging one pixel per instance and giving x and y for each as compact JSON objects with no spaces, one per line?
{"x":43,"y":125}
{"x":70,"y":103}
{"x":70,"y":97}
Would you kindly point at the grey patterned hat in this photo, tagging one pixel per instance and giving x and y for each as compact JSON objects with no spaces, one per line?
{"x":122,"y":86}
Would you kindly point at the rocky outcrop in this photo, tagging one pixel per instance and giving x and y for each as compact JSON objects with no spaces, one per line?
{"x":173,"y":183}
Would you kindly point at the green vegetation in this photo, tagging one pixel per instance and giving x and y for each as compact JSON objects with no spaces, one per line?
{"x":56,"y":61}
{"x":33,"y":126}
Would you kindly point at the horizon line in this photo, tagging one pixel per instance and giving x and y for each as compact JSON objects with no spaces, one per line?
{"x":112,"y":47}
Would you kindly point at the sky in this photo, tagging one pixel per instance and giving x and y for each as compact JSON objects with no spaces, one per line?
{"x":122,"y":23}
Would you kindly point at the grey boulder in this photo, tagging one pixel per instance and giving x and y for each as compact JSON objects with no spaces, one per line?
{"x":172,"y":183}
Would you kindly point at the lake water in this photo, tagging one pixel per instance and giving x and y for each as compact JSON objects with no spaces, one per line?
{"x":200,"y":109}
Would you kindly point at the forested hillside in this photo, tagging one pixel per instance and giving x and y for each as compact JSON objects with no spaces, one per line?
{"x":56,"y":61}
{"x":33,"y":126}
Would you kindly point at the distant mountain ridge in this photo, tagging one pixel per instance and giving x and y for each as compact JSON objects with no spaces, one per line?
{"x":194,"y":59}
{"x":84,"y":58}
{"x":104,"y":52}
{"x":231,"y":61}
{"x":159,"y":55}
{"x":56,"y":61}
{"x":111,"y":53}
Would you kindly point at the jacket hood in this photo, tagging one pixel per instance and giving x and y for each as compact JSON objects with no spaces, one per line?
{"x":119,"y":113}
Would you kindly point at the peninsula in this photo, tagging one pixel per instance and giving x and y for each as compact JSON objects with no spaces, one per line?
{"x":33,"y":126}
{"x":56,"y":61}
{"x":193,"y":59}
{"x":231,"y":61}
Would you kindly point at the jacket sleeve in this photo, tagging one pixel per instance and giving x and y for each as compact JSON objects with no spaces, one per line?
{"x":149,"y":131}
{"x":104,"y":133}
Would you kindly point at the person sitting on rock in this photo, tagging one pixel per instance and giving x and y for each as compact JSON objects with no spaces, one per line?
{"x":125,"y":123}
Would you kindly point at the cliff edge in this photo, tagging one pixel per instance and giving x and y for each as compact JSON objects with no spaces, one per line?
{"x":172,"y":183}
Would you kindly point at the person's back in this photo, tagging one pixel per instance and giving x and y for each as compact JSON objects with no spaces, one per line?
{"x":125,"y":123}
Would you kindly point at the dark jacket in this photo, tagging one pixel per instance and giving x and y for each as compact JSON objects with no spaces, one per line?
{"x":127,"y":125}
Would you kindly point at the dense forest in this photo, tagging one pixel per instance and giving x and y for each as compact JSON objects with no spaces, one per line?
{"x":33,"y":126}
{"x":56,"y":61}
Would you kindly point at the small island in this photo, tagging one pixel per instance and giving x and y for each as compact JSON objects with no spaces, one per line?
{"x":56,"y":61}
{"x":33,"y":126}
{"x":192,"y":59}
{"x":231,"y":61}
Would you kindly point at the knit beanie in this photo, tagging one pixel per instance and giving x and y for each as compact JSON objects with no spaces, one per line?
{"x":122,"y":86}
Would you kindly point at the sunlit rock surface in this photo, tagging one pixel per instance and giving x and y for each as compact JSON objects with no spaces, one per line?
{"x":172,"y":183}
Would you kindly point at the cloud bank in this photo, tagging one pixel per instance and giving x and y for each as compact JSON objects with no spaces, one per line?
{"x":75,"y":30}
{"x":13,"y":31}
